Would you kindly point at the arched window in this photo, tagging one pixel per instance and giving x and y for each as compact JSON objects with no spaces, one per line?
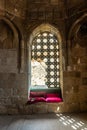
{"x":45,"y":69}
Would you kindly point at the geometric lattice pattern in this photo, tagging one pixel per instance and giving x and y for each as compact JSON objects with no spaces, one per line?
{"x":45,"y":48}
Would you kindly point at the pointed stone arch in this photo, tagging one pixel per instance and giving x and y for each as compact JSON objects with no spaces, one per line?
{"x":42,"y":28}
{"x":18,"y":43}
{"x":15,"y":33}
{"x":73,"y":32}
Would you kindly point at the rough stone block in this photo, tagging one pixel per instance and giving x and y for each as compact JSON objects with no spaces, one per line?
{"x":5,"y":101}
{"x":8,"y":64}
{"x":71,"y":98}
{"x":12,"y":111}
{"x":84,"y":74}
{"x":73,"y":107}
{"x":83,"y":107}
{"x":84,"y":81}
{"x":52,"y":107}
{"x":39,"y":108}
{"x":82,"y":96}
{"x":72,"y":74}
{"x":28,"y":109}
{"x":57,"y":107}
{"x":3,"y":109}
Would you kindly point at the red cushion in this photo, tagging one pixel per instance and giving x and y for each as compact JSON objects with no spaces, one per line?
{"x":36,"y":99}
{"x":52,"y":95}
{"x":40,"y":99}
{"x":53,"y":99}
{"x":37,"y":94}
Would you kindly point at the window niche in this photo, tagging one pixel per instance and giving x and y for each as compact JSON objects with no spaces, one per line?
{"x":45,"y":50}
{"x":78,"y":47}
{"x":9,"y":43}
{"x":6,"y":36}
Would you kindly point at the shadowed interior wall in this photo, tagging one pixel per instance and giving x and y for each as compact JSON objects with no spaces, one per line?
{"x":16,"y":26}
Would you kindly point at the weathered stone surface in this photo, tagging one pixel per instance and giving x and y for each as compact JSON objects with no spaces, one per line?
{"x":82,"y":97}
{"x":52,"y":107}
{"x":72,"y":74}
{"x":39,"y":108}
{"x":3,"y":109}
{"x":83,"y":106}
{"x":12,"y":110}
{"x":8,"y":64}
{"x":84,"y":81}
{"x":19,"y":21}
{"x":71,"y":97}
{"x":84,"y":74}
{"x":28,"y":109}
{"x":73,"y":107}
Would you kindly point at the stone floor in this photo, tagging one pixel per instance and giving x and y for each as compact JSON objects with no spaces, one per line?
{"x":44,"y":122}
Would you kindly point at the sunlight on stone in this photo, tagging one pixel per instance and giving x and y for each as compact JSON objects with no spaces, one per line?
{"x":74,"y":124}
{"x":58,"y":108}
{"x":39,"y":73}
{"x":64,"y":123}
{"x":84,"y":128}
{"x":74,"y":127}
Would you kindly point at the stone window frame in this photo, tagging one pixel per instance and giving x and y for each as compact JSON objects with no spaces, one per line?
{"x":36,"y":31}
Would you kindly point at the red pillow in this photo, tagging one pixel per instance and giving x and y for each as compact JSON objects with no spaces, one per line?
{"x":52,"y":95}
{"x":53,"y":99}
{"x":40,"y":99}
{"x":37,"y":94}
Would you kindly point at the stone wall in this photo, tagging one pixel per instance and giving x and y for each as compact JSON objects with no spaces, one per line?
{"x":13,"y":83}
{"x":14,"y":56}
{"x":13,"y":92}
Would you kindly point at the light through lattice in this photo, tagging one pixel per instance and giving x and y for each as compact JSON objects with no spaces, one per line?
{"x":45,"y":60}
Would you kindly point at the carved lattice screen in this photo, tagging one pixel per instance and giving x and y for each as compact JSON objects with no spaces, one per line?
{"x":45,"y":60}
